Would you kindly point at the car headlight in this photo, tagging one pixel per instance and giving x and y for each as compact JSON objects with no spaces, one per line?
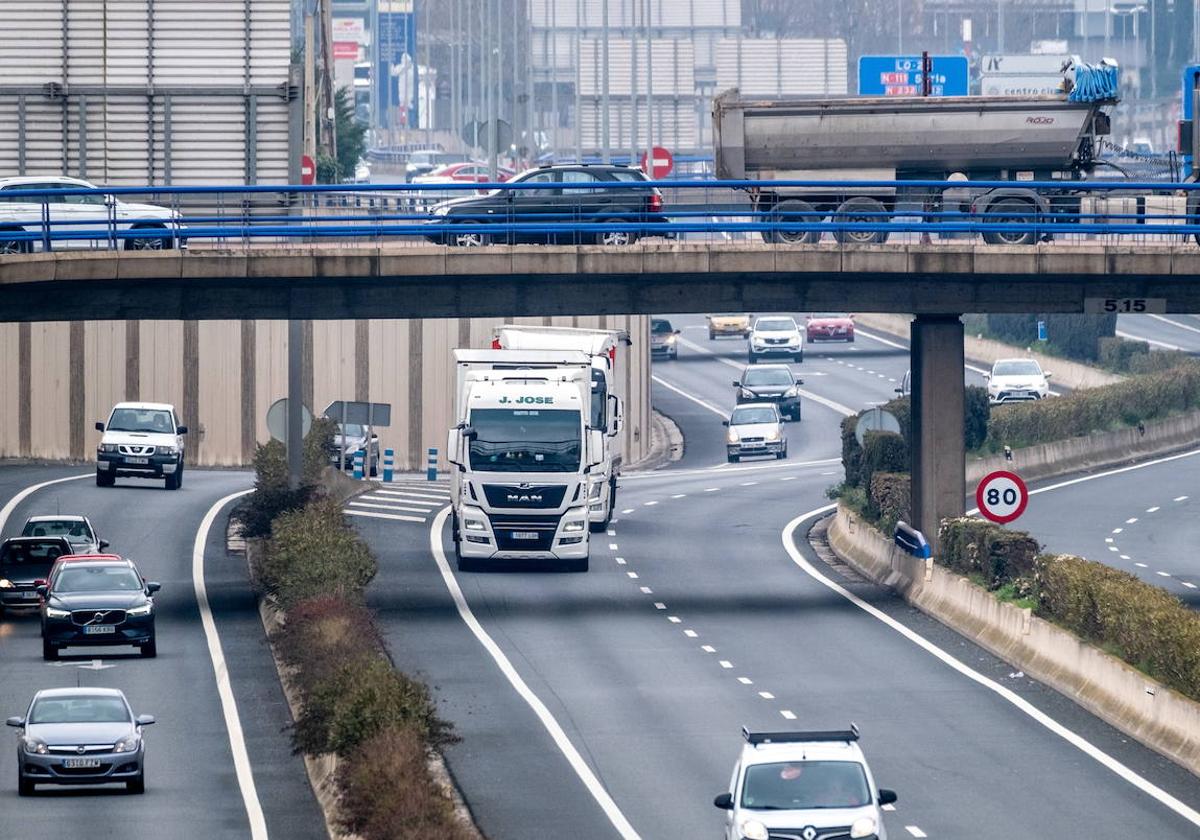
{"x":54,"y":612}
{"x":795,"y":339}
{"x":443,"y":210}
{"x":863,"y":827}
{"x":732,"y":436}
{"x":773,"y":435}
{"x":5,"y":583}
{"x":35,"y":746}
{"x":474,"y":525}
{"x":167,"y":450}
{"x":107,"y":447}
{"x":574,"y":526}
{"x":792,"y":392}
{"x":140,"y":612}
{"x":753,"y":830}
{"x":671,"y":339}
{"x":128,"y":744}
{"x":746,"y":393}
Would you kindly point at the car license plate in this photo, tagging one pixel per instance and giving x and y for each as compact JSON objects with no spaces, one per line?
{"x":98,"y":629}
{"x":524,"y":535}
{"x":80,"y":763}
{"x":29,"y":596}
{"x":137,"y":460}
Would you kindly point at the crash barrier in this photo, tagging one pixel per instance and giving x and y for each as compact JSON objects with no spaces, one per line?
{"x":389,"y":464}
{"x":431,"y":465}
{"x":619,"y":213}
{"x":911,"y":540}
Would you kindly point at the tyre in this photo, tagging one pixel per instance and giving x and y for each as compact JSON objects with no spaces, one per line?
{"x":474,"y":239}
{"x":793,"y":211}
{"x":104,"y":479}
{"x":137,"y":785}
{"x":465,"y":564}
{"x":150,"y":649}
{"x":798,"y":358}
{"x":179,"y":476}
{"x":49,"y":651}
{"x":861,"y":210}
{"x":171,"y":482}
{"x":151,"y":239}
{"x":712,"y":336}
{"x":850,"y":340}
{"x":615,"y":238}
{"x":1010,"y":211}
{"x":752,"y":359}
{"x":14,"y":246}
{"x":733,"y":459}
{"x":25,"y":787}
{"x":781,"y":454}
{"x":578,"y":565}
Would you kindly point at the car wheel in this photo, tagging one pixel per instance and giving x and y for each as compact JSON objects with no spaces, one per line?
{"x":781,"y":454}
{"x":799,"y":358}
{"x":861,"y":210}
{"x":1010,"y":211}
{"x":150,"y":649}
{"x":15,"y":246}
{"x":793,"y":211}
{"x":712,"y":336}
{"x":171,"y":482}
{"x":137,"y":785}
{"x":149,"y":243}
{"x":25,"y":787}
{"x":850,"y":340}
{"x":103,"y":479}
{"x":468,"y":240}
{"x":49,"y":651}
{"x":733,"y":459}
{"x":615,"y":238}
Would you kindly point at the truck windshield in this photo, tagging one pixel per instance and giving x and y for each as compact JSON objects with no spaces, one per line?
{"x":525,"y":440}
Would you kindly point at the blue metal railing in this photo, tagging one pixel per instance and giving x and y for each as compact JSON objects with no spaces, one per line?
{"x":691,"y":210}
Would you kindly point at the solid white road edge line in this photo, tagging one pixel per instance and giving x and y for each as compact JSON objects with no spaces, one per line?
{"x":1165,"y":320}
{"x":7,"y":510}
{"x":1156,"y":343}
{"x":233,"y":724}
{"x":585,"y":774}
{"x":688,"y":396}
{"x":1023,"y":705}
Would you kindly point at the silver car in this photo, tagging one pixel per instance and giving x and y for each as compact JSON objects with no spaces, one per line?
{"x":77,"y":529}
{"x":755,"y":429}
{"x":80,"y":736}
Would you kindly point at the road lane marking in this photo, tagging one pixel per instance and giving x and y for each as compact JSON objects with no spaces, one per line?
{"x":745,"y":681}
{"x":646,"y":590}
{"x":725,"y":663}
{"x":650,"y":503}
{"x":708,"y":648}
{"x":1113,"y":548}
{"x":679,"y":495}
{"x":233,"y":724}
{"x":620,"y":561}
{"x":674,"y":619}
{"x":7,"y":510}
{"x":1188,"y":585}
{"x":1108,"y":539}
{"x":1117,"y":530}
{"x":628,"y":510}
{"x":659,"y":605}
{"x":612,"y":533}
{"x":1123,"y":556}
{"x":1131,"y":521}
{"x":914,"y":831}
{"x":632,"y":575}
{"x":788,"y":714}
{"x":687,"y":396}
{"x":399,"y":517}
{"x":1163,"y":574}
{"x":612,"y":547}
{"x":1166,"y":320}
{"x":691,"y":634}
{"x":1154,"y":341}
{"x":1036,"y":714}
{"x":1141,"y":565}
{"x":591,"y":782}
{"x":1179,"y":499}
{"x":766,"y":695}
{"x":1152,"y":510}
{"x":711,"y":489}
{"x":887,"y":807}
{"x":387,"y":507}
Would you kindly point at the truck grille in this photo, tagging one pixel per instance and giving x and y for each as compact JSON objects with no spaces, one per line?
{"x":531,"y":496}
{"x":506,"y":527}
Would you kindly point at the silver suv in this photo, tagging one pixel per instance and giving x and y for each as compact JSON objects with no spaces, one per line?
{"x":810,"y":785}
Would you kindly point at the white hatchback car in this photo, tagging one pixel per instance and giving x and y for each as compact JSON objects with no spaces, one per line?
{"x":755,"y":429}
{"x":810,"y":785}
{"x":776,"y":335}
{"x":1016,"y":380}
{"x":83,"y":217}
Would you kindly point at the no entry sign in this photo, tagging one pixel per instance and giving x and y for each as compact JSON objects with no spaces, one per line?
{"x":663,"y":163}
{"x":1001,"y":496}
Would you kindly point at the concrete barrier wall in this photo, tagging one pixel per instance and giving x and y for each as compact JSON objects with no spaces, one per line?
{"x":1158,"y":717}
{"x":60,"y":377}
{"x":985,"y":351}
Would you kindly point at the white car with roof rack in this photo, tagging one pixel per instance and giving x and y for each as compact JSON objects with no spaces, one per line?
{"x":803,"y":786}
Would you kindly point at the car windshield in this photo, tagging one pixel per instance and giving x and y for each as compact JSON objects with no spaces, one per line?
{"x":1017,"y":367}
{"x":525,"y":440}
{"x":71,"y":581}
{"x":745,"y":416}
{"x":75,"y":530}
{"x":776,"y":325}
{"x":79,"y":710}
{"x":149,"y":420}
{"x":353,"y":430}
{"x":795,"y":785}
{"x":660,"y":326}
{"x":760,"y":376}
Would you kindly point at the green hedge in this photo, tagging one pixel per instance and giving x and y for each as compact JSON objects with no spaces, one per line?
{"x":996,"y":555}
{"x":1073,"y":336}
{"x":889,"y":499}
{"x":1147,"y":626}
{"x":271,"y":495}
{"x":1083,"y":412}
{"x":1125,"y":356}
{"x":882,"y":452}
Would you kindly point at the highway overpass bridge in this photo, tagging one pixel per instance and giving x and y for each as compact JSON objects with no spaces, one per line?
{"x":936,"y":282}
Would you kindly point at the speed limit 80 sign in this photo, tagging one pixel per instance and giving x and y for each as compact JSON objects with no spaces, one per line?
{"x":1001,"y":496}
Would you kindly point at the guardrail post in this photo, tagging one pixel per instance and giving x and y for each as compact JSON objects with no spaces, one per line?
{"x":431,"y":465}
{"x":389,"y":461}
{"x":358,"y":465}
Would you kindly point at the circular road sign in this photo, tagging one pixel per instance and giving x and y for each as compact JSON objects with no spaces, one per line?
{"x":1001,"y":496}
{"x":663,"y":162}
{"x":875,"y":420}
{"x":277,"y":420}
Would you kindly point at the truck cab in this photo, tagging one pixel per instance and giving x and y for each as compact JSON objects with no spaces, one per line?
{"x":523,"y":454}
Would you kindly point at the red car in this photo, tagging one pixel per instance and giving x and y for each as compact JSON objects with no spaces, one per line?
{"x":830,"y":326}
{"x":464,"y":172}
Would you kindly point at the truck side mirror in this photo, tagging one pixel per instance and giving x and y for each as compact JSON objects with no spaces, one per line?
{"x":595,"y":447}
{"x":615,"y":418}
{"x":454,"y":448}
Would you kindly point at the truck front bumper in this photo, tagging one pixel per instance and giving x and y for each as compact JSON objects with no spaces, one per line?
{"x":502,"y":536}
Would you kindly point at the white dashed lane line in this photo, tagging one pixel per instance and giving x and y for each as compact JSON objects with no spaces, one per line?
{"x":628,"y":510}
{"x":646,"y":590}
{"x":745,"y":681}
{"x":1151,"y":510}
{"x":674,"y":619}
{"x":632,"y":575}
{"x":1131,"y":521}
{"x":708,"y":648}
{"x":659,"y":605}
{"x":691,"y":634}
{"x":788,"y":714}
{"x":1180,"y":499}
{"x":766,"y":695}
{"x":914,"y":831}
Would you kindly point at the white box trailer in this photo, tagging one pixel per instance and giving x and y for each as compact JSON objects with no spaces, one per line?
{"x":602,"y":347}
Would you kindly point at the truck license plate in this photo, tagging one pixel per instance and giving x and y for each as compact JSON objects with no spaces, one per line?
{"x":77,"y":763}
{"x":524,"y":535}
{"x":137,"y":460}
{"x":98,"y":629}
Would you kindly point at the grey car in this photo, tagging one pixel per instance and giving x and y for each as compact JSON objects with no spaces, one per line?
{"x":77,"y":529}
{"x":80,"y":736}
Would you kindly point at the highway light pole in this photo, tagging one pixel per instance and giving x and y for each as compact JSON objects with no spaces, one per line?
{"x":649,"y":92}
{"x":295,"y":404}
{"x":605,"y":154}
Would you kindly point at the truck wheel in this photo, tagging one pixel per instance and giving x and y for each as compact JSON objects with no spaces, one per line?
{"x":861,"y":210}
{"x":578,"y":565}
{"x":1010,"y":211}
{"x":793,"y":211}
{"x":104,"y":479}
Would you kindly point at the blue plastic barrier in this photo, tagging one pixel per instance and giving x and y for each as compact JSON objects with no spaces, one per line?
{"x":911,"y":540}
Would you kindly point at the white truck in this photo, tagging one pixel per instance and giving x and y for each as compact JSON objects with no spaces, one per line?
{"x":523,"y":454}
{"x":608,"y":401}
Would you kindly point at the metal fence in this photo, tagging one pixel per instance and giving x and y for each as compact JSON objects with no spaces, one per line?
{"x":611,"y":213}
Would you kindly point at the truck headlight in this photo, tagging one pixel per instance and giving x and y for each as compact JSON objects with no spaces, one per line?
{"x":574,"y":526}
{"x":753,"y":830}
{"x":474,"y":525}
{"x":863,"y":827}
{"x":595,"y":486}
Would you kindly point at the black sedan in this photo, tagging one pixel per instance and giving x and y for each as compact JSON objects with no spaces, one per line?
{"x":565,"y":196}
{"x":97,"y":600}
{"x":25,"y":563}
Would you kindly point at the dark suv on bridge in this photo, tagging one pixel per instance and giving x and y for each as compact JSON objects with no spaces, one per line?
{"x":564,"y":197}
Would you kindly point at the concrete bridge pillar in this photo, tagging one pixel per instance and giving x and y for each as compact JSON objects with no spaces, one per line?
{"x":938,"y":447}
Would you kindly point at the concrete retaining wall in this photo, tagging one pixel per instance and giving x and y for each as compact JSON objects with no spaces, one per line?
{"x":1158,"y":717}
{"x":222,"y":376}
{"x":985,"y":351}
